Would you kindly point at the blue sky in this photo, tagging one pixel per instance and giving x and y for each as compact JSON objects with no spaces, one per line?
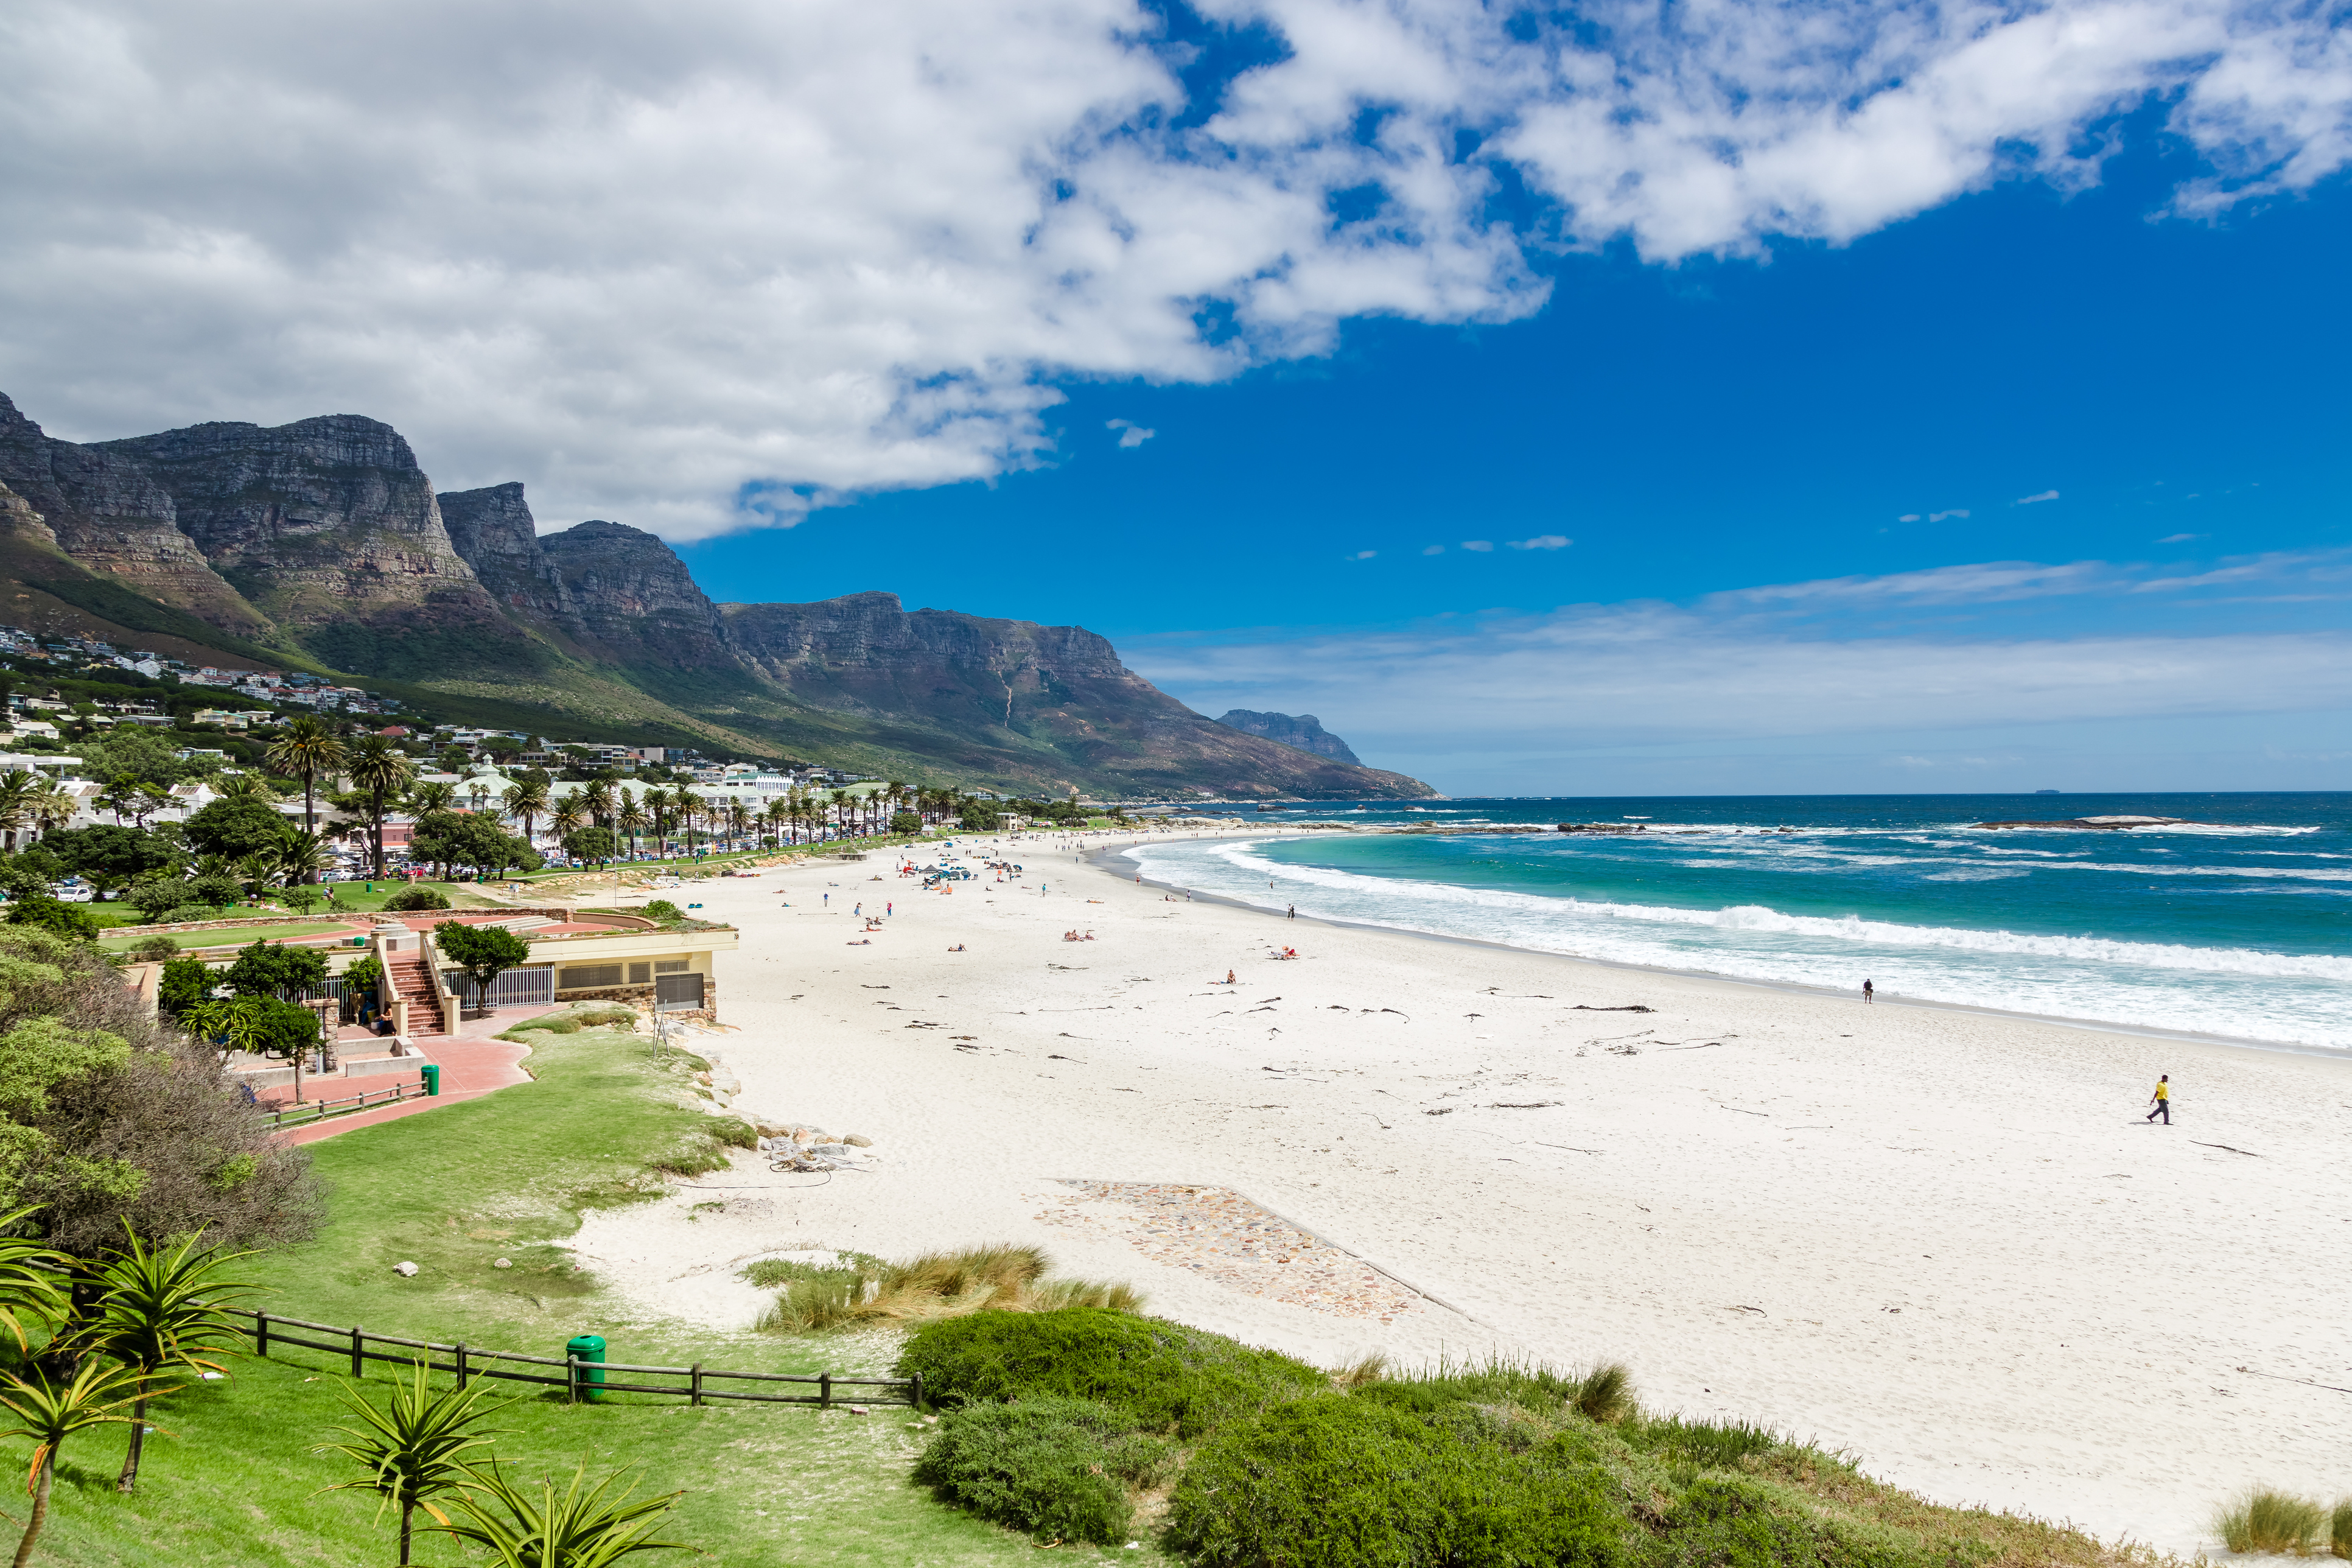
{"x":1597,"y":398}
{"x":2017,"y":376}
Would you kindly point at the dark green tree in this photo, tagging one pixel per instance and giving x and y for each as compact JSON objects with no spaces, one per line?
{"x":186,"y":982}
{"x":483,"y":952}
{"x":110,"y":857}
{"x":274,"y":969}
{"x":587,"y":844}
{"x":235,"y":828}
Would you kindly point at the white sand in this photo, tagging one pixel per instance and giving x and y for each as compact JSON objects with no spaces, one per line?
{"x":1943,"y":1241}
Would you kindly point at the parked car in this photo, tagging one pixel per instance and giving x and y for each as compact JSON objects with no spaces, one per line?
{"x":73,"y":890}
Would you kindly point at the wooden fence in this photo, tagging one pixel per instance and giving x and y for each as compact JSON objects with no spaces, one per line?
{"x":302,"y":1113}
{"x":570,"y":1374}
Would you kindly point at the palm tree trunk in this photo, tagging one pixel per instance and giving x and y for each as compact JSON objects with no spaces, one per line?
{"x":378,"y":815}
{"x":130,"y":1476}
{"x":309,"y":814}
{"x":407,"y":1512}
{"x":40,"y":1509}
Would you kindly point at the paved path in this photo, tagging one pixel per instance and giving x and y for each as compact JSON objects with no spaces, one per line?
{"x":472,"y":1065}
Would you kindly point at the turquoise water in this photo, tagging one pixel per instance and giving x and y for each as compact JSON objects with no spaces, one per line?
{"x":2235,"y":924}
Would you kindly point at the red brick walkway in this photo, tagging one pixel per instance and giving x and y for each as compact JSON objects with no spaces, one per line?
{"x":472,"y":1065}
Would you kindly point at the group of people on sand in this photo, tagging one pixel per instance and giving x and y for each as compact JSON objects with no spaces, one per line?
{"x":1074,"y":936}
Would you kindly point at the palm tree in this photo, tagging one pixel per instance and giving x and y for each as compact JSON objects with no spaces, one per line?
{"x":297,"y":857}
{"x":33,"y":1280}
{"x":53,"y":806}
{"x":598,"y":800}
{"x":244,"y":786}
{"x":432,"y":795}
{"x":568,"y":816}
{"x":49,"y":1413}
{"x":579,"y":1530}
{"x":632,"y":819}
{"x":382,"y":771}
{"x":779,"y":812}
{"x":527,"y":800}
{"x":738,"y":821}
{"x":16,"y":792}
{"x":306,"y":750}
{"x":159,"y":1309}
{"x":411,"y":1445}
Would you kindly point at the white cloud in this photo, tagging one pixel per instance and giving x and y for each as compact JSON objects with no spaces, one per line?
{"x":1434,"y":550}
{"x":2178,"y":538}
{"x":692,"y":263}
{"x":1541,"y":541}
{"x":1940,"y":516}
{"x":1907,"y":517}
{"x":1130,"y":433}
{"x":1482,"y":545}
{"x":1360,"y":555}
{"x":2031,"y":500}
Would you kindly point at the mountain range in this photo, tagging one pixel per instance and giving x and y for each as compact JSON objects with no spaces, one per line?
{"x":322,"y":545}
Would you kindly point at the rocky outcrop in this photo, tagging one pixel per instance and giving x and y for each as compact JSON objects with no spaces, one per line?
{"x":331,"y":528}
{"x":493,"y":530}
{"x":1305,"y":731}
{"x":1053,"y":702}
{"x":628,"y":592}
{"x":113,"y":516}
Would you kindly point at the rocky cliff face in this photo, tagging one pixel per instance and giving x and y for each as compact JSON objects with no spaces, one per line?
{"x":113,"y":517}
{"x":1303,"y":730}
{"x":1051,"y":705}
{"x":329,"y":526}
{"x":630,"y":593}
{"x":493,"y":530}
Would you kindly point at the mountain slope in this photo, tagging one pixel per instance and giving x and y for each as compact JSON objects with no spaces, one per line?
{"x":321,"y":544}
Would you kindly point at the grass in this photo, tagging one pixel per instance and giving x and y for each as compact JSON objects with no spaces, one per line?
{"x":229,"y":936}
{"x":232,"y":1473}
{"x":2263,"y":1520}
{"x":936,"y":1284}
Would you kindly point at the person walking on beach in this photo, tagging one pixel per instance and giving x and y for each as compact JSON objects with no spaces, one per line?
{"x":1869,"y":993}
{"x":1293,"y":912}
{"x":2161,"y":1099}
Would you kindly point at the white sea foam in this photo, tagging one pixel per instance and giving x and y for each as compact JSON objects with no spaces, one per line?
{"x":2238,"y":991}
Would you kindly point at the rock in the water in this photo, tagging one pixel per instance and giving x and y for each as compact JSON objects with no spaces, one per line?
{"x":404,"y":1270}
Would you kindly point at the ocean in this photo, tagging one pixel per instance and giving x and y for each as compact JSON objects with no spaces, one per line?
{"x":2237,"y":923}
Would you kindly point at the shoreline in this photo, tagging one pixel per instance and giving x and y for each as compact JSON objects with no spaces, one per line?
{"x":1886,"y":998}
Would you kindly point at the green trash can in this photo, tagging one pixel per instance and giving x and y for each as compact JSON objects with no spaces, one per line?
{"x":586,"y":1348}
{"x":431,"y":1071}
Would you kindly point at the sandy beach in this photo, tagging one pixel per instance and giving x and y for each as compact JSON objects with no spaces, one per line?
{"x":1943,"y":1241}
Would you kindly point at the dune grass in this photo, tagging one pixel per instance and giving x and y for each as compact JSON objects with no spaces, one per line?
{"x":2339,"y":1528}
{"x":862,"y":1292}
{"x":2264,"y":1520}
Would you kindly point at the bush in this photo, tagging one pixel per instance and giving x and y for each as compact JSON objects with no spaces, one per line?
{"x":1710,"y":1444}
{"x":1163,"y":1375}
{"x":186,"y":982}
{"x":607,"y":1017}
{"x":54,"y":915}
{"x":187,"y":914}
{"x":1720,"y":1521}
{"x":2267,"y":1520}
{"x":2339,"y":1528}
{"x":1056,"y":1467}
{"x":418,"y":897}
{"x":156,"y":949}
{"x":663,"y":910}
{"x":1335,"y":1481}
{"x":266,"y":968}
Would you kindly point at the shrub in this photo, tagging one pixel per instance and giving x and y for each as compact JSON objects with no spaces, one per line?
{"x":186,"y":982}
{"x":269,"y":968}
{"x":2339,"y":1528}
{"x":156,"y":949}
{"x":2267,"y":1520}
{"x":54,"y":915}
{"x":663,"y":910}
{"x":186,"y":914}
{"x":607,"y":1017}
{"x":1335,"y":1481}
{"x":1720,"y":1521}
{"x":1163,"y":1375}
{"x":735,"y":1133}
{"x":1056,"y":1467}
{"x":419,"y":898}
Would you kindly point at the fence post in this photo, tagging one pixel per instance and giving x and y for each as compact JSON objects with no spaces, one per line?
{"x":915,"y":1391}
{"x":358,"y":1356}
{"x":824,"y":1391}
{"x":461,"y":1363}
{"x":697,"y":1396}
{"x":570,"y":1378}
{"x":261,"y":1334}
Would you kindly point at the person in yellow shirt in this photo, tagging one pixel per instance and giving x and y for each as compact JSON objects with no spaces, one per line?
{"x":2161,"y":1099}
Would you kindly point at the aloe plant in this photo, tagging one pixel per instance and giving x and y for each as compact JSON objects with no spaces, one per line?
{"x":49,"y":1413}
{"x":159,"y":1310}
{"x":412,"y":1447}
{"x":577,"y":1530}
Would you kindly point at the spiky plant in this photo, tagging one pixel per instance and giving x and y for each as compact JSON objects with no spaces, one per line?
{"x":160,"y":1311}
{"x":578,"y":1529}
{"x":412,"y":1448}
{"x":49,"y":1411}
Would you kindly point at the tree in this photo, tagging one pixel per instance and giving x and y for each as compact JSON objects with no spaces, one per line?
{"x":483,"y":952}
{"x":586,"y":844}
{"x":49,"y":1413}
{"x":184,"y":982}
{"x":128,"y":795}
{"x":235,"y":828}
{"x":631,"y":819}
{"x":434,"y":794}
{"x":380,"y":771}
{"x":55,"y":915}
{"x":905,"y":824}
{"x":450,"y":838}
{"x":411,"y":1447}
{"x":528,"y":800}
{"x":17,"y":790}
{"x":247,"y":786}
{"x":297,"y":857}
{"x":305,"y":750}
{"x":274,"y":969}
{"x":579,"y":1530}
{"x":110,"y":857}
{"x":159,"y":1309}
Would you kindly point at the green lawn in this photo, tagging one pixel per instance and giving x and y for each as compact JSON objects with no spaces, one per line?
{"x":231,"y":1478}
{"x":228,"y":936}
